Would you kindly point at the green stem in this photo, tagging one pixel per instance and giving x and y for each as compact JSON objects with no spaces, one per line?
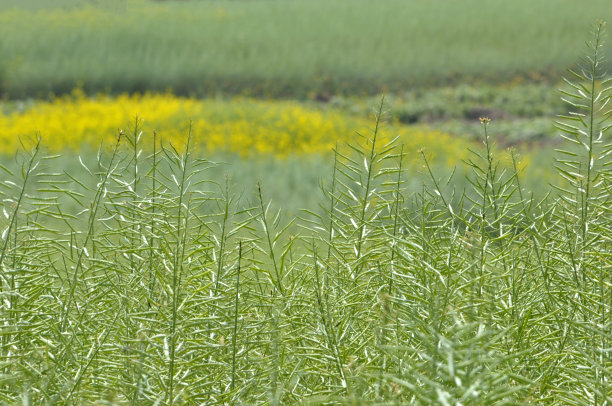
{"x":177,"y":267}
{"x":237,"y":296}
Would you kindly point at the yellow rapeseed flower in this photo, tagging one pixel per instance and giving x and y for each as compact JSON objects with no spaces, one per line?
{"x":244,"y":126}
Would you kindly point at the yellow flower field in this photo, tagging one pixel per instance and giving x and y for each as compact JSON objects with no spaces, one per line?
{"x":244,"y":126}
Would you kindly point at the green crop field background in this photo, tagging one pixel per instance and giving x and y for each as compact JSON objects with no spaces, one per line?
{"x":288,"y":48}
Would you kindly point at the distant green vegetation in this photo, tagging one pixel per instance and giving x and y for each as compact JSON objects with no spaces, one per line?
{"x":287,"y":48}
{"x":521,"y":112}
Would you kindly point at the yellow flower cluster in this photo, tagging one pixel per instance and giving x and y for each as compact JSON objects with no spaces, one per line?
{"x":244,"y":126}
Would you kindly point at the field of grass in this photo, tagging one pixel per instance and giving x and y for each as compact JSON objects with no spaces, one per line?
{"x":285,"y":48}
{"x":159,"y":284}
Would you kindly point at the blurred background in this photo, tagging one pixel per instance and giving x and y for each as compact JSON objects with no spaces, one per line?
{"x":272,"y":86}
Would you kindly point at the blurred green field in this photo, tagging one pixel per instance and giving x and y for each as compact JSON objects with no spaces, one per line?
{"x":293,"y":184}
{"x":286,"y":48}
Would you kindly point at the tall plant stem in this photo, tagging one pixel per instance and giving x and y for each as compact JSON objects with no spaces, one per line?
{"x":178,"y":264}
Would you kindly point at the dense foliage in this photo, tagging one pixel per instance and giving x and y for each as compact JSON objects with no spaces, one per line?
{"x":156,"y":288}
